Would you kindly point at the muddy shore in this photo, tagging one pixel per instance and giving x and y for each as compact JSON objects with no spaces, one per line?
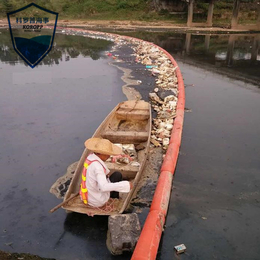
{"x":139,"y":26}
{"x":15,"y":256}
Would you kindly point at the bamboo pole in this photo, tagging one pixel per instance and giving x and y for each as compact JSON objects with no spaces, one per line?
{"x":63,"y":203}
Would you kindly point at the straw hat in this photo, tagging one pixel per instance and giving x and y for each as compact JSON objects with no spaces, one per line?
{"x":103,"y":146}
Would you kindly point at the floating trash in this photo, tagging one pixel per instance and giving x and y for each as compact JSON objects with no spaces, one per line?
{"x":166,"y":80}
{"x":164,"y":97}
{"x":180,"y":249}
{"x":151,"y":66}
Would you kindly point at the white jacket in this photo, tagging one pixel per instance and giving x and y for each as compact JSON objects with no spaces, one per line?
{"x":98,"y":185}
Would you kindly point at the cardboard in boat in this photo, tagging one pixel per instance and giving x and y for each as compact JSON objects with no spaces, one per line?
{"x":128,"y":123}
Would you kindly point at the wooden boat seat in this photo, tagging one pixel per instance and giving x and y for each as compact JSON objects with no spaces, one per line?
{"x":129,"y":171}
{"x":132,"y":110}
{"x":134,"y":104}
{"x":139,"y":115}
{"x":126,"y":137}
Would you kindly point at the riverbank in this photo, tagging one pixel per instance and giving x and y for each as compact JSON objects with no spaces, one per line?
{"x":170,"y":26}
{"x":135,"y":25}
{"x":15,"y":256}
{"x":141,"y":10}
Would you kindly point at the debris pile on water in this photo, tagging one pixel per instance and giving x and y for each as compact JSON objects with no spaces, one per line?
{"x":162,"y":68}
{"x":165,"y":96}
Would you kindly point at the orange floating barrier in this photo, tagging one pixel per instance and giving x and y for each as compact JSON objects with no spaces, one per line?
{"x":148,"y":243}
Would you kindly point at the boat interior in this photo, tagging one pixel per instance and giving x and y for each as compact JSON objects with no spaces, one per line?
{"x":128,"y":124}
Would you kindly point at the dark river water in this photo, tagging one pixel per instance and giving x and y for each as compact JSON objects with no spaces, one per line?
{"x":47,"y":113}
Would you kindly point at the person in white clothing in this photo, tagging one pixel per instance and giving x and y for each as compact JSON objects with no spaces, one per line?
{"x":97,"y":185}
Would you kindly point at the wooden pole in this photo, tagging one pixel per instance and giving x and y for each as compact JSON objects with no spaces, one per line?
{"x":210,"y":13}
{"x":234,"y":21}
{"x":190,"y":13}
{"x":63,"y":203}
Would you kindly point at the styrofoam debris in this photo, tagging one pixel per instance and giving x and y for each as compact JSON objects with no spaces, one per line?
{"x":180,"y":248}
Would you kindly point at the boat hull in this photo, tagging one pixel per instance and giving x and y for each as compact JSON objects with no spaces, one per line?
{"x":128,"y":123}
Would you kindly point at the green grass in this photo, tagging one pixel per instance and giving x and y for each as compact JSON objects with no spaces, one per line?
{"x":84,"y":8}
{"x":126,"y":10}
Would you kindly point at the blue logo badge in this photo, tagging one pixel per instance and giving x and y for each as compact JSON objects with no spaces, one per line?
{"x":30,"y":37}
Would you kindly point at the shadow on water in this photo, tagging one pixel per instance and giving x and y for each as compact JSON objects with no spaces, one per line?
{"x":89,"y":229}
{"x":92,"y":230}
{"x":80,"y":225}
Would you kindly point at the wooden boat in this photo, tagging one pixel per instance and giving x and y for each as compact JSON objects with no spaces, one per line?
{"x":128,"y":123}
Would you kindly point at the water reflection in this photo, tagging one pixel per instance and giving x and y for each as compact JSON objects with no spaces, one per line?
{"x":65,"y":47}
{"x":233,"y":54}
{"x":46,"y":115}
